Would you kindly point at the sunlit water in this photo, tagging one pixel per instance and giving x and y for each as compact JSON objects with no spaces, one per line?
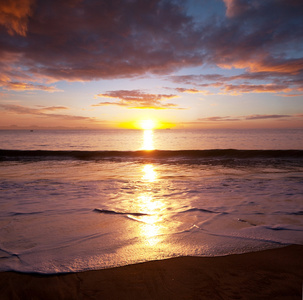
{"x":63,"y":214}
{"x":124,"y":140}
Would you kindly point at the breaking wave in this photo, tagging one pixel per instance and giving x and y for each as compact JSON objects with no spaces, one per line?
{"x":215,"y":156}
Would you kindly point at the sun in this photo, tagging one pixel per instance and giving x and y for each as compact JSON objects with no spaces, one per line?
{"x":147,"y":124}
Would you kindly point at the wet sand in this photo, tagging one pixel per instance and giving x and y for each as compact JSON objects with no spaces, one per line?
{"x":269,"y":274}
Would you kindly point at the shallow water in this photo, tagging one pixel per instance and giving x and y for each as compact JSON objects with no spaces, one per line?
{"x":63,"y":213}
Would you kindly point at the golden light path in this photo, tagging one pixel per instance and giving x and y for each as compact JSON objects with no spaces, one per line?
{"x":152,"y":223}
{"x":148,"y":142}
{"x":149,"y":173}
{"x":151,"y":227}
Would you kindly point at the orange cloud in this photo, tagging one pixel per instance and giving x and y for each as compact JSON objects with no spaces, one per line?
{"x":287,"y":66}
{"x":23,"y":86}
{"x":14,"y":15}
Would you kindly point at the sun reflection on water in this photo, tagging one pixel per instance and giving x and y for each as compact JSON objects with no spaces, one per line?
{"x":151,"y":224}
{"x":148,"y":142}
{"x":149,"y":173}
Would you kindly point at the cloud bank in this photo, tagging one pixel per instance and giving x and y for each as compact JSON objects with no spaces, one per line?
{"x":83,"y":40}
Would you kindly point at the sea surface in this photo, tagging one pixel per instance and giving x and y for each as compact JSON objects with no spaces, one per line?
{"x":91,"y":199}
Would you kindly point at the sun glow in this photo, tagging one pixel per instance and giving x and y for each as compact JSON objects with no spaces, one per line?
{"x":147,"y":124}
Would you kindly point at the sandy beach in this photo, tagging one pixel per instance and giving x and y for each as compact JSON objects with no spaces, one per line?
{"x":268,"y":274}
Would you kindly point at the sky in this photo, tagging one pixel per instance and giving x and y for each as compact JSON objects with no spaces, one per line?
{"x":183,"y":64}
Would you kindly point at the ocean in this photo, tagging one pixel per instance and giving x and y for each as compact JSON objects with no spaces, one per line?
{"x":75,"y":200}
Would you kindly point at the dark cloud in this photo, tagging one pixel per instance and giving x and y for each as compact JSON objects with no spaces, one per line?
{"x":138,"y":99}
{"x":88,"y":39}
{"x":238,"y":7}
{"x":259,"y":36}
{"x":262,"y":117}
{"x":14,"y":15}
{"x":85,"y":40}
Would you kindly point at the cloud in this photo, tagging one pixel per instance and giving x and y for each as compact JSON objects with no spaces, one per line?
{"x":197,"y":79}
{"x":138,"y":99}
{"x":262,"y":117}
{"x":269,"y":64}
{"x":14,"y":15}
{"x":277,"y":83}
{"x":23,"y":86}
{"x":87,"y":40}
{"x":237,"y":7}
{"x":212,"y":79}
{"x":193,"y":91}
{"x":259,"y":36}
{"x":23,"y":110}
{"x":249,"y":117}
{"x":250,"y":88}
{"x":52,"y":108}
{"x":219,"y":119}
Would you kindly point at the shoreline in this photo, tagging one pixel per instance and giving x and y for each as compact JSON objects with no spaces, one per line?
{"x":267,"y":274}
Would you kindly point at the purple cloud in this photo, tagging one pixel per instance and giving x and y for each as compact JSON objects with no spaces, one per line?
{"x":262,"y":117}
{"x":138,"y":99}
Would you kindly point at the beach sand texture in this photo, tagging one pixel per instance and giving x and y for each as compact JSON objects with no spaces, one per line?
{"x":268,"y":274}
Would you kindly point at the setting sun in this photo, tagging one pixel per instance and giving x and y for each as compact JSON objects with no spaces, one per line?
{"x":147,"y":124}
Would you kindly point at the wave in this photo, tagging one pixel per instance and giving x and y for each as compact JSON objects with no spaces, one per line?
{"x":202,"y":210}
{"x":113,"y":212}
{"x":191,"y":156}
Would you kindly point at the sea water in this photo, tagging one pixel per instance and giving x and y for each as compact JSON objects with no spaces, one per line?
{"x":82,"y":200}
